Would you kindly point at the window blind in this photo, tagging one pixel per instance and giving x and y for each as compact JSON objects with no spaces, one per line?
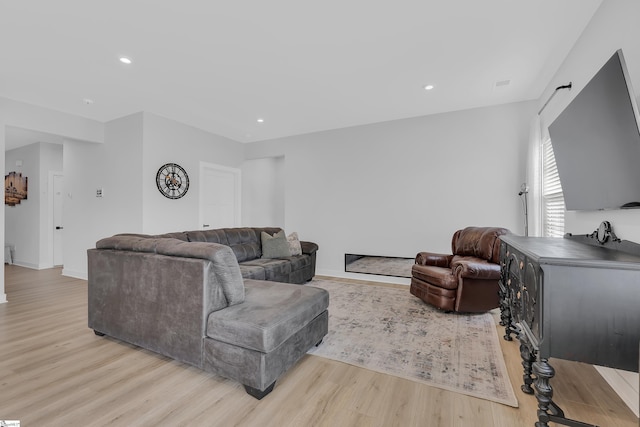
{"x":552,"y":197}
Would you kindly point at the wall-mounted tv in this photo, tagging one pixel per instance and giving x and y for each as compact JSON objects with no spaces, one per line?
{"x":596,"y":142}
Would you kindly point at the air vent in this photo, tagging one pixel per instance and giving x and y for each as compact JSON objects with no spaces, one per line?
{"x":503,"y":83}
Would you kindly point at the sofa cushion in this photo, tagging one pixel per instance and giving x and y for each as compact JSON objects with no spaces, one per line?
{"x":211,"y":236}
{"x":180,"y":235}
{"x":299,"y":262}
{"x":129,"y":242}
{"x":275,"y":246}
{"x":271,"y":313}
{"x":244,"y":242}
{"x":274,"y":269}
{"x":225,"y":272}
{"x":252,"y":271}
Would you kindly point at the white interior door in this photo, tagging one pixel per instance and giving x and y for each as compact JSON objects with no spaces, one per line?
{"x":58,"y":228}
{"x":220,"y":194}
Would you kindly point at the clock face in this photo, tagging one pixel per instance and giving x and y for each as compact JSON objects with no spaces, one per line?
{"x":172,"y":181}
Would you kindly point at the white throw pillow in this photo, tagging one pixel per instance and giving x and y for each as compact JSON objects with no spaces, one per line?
{"x":294,"y":244}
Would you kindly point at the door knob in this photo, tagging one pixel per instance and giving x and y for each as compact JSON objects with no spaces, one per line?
{"x":59,"y":227}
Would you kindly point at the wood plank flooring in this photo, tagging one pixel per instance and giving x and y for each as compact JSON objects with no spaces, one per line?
{"x":55,"y":372}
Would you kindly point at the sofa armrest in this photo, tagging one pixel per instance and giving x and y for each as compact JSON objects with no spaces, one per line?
{"x":476,"y":269}
{"x":430,"y":258}
{"x":308,"y":248}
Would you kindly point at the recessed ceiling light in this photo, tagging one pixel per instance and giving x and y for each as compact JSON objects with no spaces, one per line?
{"x":427,"y":87}
{"x":88,"y":101}
{"x":260,"y":120}
{"x":125,"y":60}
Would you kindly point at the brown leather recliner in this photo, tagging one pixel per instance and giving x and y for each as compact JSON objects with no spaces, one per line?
{"x":466,"y":281}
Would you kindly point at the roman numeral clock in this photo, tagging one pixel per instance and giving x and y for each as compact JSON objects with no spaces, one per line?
{"x":172,"y":181}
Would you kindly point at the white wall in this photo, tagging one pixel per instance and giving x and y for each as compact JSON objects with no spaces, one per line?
{"x":399,"y":187}
{"x":263,"y":192}
{"x":114,"y":166}
{"x":26,"y":224}
{"x":614,"y":26}
{"x":168,"y":141}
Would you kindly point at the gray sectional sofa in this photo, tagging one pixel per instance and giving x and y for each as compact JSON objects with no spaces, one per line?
{"x":187,"y":299}
{"x":247,"y":247}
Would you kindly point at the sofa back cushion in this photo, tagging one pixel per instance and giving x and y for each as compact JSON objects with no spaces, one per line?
{"x":244,"y":242}
{"x":480,"y":242}
{"x":209,"y":236}
{"x":225,"y":284}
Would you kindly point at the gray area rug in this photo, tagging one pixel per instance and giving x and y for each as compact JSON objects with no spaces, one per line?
{"x":389,"y":330}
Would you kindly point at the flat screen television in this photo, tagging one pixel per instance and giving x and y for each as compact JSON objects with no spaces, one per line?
{"x":596,"y":142}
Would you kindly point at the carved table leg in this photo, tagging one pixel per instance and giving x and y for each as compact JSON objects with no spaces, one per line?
{"x":528,"y":357}
{"x":547,"y":409}
{"x":505,"y":314}
{"x":544,"y":392}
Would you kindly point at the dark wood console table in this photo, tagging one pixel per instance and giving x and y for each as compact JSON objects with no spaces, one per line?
{"x":575,"y":298}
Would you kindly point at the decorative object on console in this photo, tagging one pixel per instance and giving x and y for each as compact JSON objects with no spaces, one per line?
{"x":574,"y":298}
{"x":467,"y":280}
{"x":172,"y":181}
{"x":396,"y":334}
{"x":15,"y":188}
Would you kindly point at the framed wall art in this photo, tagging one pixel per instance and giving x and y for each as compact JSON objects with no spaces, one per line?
{"x":15,"y":188}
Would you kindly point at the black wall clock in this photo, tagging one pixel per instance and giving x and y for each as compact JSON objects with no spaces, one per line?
{"x":172,"y":181}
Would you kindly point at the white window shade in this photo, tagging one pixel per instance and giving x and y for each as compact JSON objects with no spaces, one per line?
{"x":552,"y":198}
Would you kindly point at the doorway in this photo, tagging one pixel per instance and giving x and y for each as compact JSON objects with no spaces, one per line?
{"x":56,"y":227}
{"x":220,"y":195}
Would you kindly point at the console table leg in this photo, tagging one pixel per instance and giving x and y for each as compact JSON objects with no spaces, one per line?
{"x":544,"y":392}
{"x":527,"y":360}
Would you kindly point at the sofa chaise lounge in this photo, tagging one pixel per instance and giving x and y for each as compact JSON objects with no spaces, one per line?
{"x":188,"y":300}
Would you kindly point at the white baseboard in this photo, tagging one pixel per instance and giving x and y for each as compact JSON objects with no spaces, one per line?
{"x":32,"y":265}
{"x":624,"y":383}
{"x":365,"y":277}
{"x":82,"y":275}
{"x":3,"y":298}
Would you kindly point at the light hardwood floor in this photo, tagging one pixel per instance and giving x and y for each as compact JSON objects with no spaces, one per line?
{"x":55,"y":372}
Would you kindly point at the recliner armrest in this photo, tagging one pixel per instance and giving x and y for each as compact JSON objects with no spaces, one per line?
{"x":430,"y":258}
{"x":473,"y":269}
{"x":308,"y":248}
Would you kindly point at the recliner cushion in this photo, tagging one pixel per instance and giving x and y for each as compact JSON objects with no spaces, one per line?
{"x":271,"y":313}
{"x":481,"y":242}
{"x":438,"y":276}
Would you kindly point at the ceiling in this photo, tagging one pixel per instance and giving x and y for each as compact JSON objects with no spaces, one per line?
{"x":301,"y":66}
